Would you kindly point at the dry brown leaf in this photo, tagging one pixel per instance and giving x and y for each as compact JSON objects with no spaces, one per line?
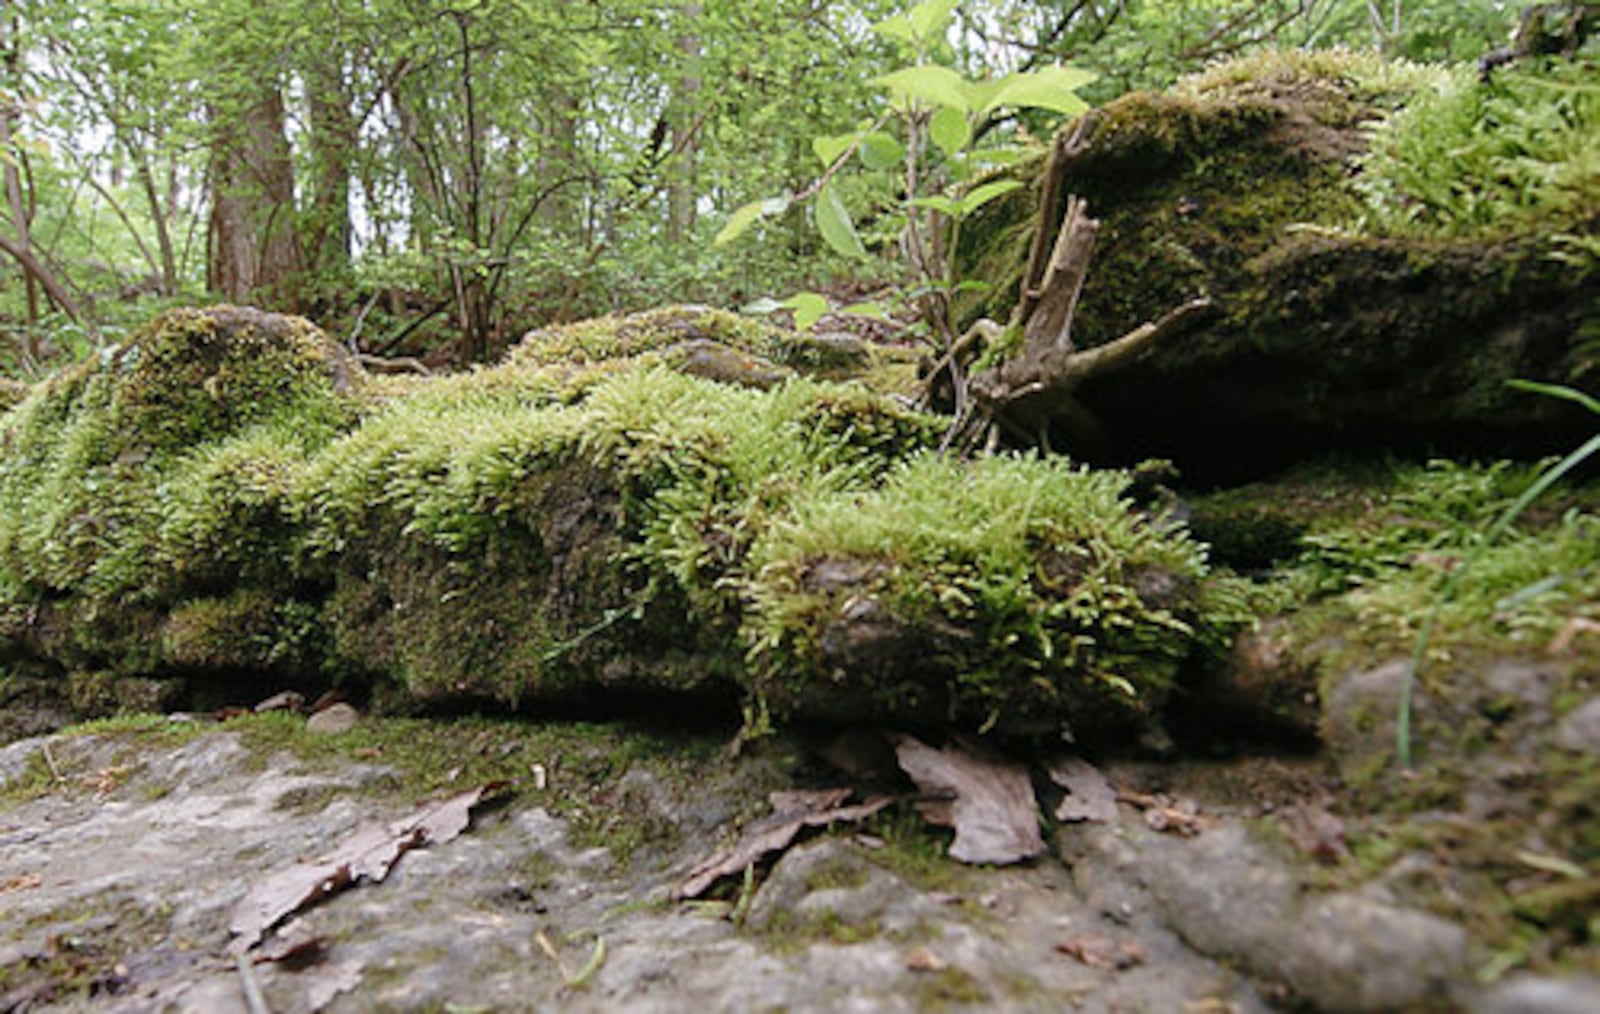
{"x":792,"y":811}
{"x":990,"y":802}
{"x":1103,"y":952}
{"x":20,"y":882}
{"x":368,"y":854}
{"x":924,"y":960}
{"x":1568,"y":634}
{"x":1162,"y":813}
{"x":1316,"y":832}
{"x":1089,"y":796}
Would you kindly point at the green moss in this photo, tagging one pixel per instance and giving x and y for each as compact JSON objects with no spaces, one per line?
{"x":1029,"y":587}
{"x":12,"y":393}
{"x":582,"y":519}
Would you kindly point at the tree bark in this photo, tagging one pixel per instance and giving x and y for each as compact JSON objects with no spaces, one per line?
{"x":255,"y":255}
{"x":682,"y":166}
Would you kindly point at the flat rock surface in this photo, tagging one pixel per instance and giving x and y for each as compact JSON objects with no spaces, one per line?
{"x":119,"y":872}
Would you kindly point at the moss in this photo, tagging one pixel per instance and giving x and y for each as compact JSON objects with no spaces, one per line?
{"x":12,"y":393}
{"x":581,"y":520}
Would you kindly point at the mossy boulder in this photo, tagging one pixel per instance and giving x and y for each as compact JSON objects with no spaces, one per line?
{"x":1245,"y":185}
{"x":226,"y":497}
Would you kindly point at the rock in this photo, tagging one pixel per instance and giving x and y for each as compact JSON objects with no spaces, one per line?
{"x":1579,"y":729}
{"x":1359,"y":714}
{"x":335,"y":718}
{"x":1232,"y":899}
{"x":831,"y":880}
{"x":1538,"y":994}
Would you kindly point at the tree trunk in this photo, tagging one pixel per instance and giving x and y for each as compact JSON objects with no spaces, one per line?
{"x":254,"y":253}
{"x":9,"y":116}
{"x":333,"y":139}
{"x":681,"y":168}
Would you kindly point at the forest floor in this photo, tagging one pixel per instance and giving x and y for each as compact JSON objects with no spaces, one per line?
{"x":140,"y":857}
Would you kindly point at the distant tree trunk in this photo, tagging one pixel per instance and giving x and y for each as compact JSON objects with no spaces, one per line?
{"x":681,"y":169}
{"x":332,"y":139}
{"x":254,"y":254}
{"x":9,"y":116}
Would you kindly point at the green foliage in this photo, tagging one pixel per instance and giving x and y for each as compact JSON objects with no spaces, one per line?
{"x":1042,"y":566}
{"x":567,"y":521}
{"x":1376,"y":558}
{"x":951,"y":131}
{"x":1515,"y":156}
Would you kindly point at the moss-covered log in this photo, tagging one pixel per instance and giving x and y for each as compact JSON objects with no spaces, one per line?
{"x":226,"y":494}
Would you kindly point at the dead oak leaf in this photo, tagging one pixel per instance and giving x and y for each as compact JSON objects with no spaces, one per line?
{"x":368,"y":854}
{"x":792,"y":812}
{"x":988,"y":801}
{"x":1089,"y":796}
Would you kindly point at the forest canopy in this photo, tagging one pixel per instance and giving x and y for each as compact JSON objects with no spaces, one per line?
{"x":435,"y":178}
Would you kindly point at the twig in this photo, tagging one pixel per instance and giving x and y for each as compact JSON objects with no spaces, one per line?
{"x":543,"y":940}
{"x":50,"y":760}
{"x":252,"y":989}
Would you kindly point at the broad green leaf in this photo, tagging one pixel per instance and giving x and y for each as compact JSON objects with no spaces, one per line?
{"x":896,"y":27}
{"x":935,"y":85}
{"x":999,"y":156}
{"x":950,"y":130}
{"x":833,"y":221}
{"x":880,"y":151}
{"x":829,"y":149}
{"x":746,"y":215}
{"x":986,"y":192}
{"x":931,"y":18}
{"x":808,"y":308}
{"x":943,"y":205}
{"x":874,"y":310}
{"x":1053,"y":88}
{"x":766,"y":304}
{"x":981,"y":93}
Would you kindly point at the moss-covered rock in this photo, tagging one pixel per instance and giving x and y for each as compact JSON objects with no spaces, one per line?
{"x":225,"y":495}
{"x":1244,"y":185}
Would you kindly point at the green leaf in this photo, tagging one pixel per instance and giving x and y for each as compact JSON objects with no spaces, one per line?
{"x":765,"y":304}
{"x":950,"y":130}
{"x":931,"y":18}
{"x":930,"y":83}
{"x":829,"y":149}
{"x":808,"y":308}
{"x":746,"y":215}
{"x":897,"y":27}
{"x":943,"y":205}
{"x":833,"y":221}
{"x":984,"y":193}
{"x":881,"y":151}
{"x":876,"y":311}
{"x":1053,"y":88}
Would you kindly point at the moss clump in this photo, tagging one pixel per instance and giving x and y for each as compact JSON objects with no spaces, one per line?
{"x":565,"y":525}
{"x":155,"y":473}
{"x":987,"y":592}
{"x":12,"y":392}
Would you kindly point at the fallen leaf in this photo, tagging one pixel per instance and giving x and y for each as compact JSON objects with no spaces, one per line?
{"x":1162,"y":813}
{"x":1563,"y":641}
{"x":1103,"y":952}
{"x":368,"y":854}
{"x":20,"y":882}
{"x":924,"y":960}
{"x":792,"y":811}
{"x":1089,"y":796}
{"x":1316,"y":832}
{"x":989,"y":802}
